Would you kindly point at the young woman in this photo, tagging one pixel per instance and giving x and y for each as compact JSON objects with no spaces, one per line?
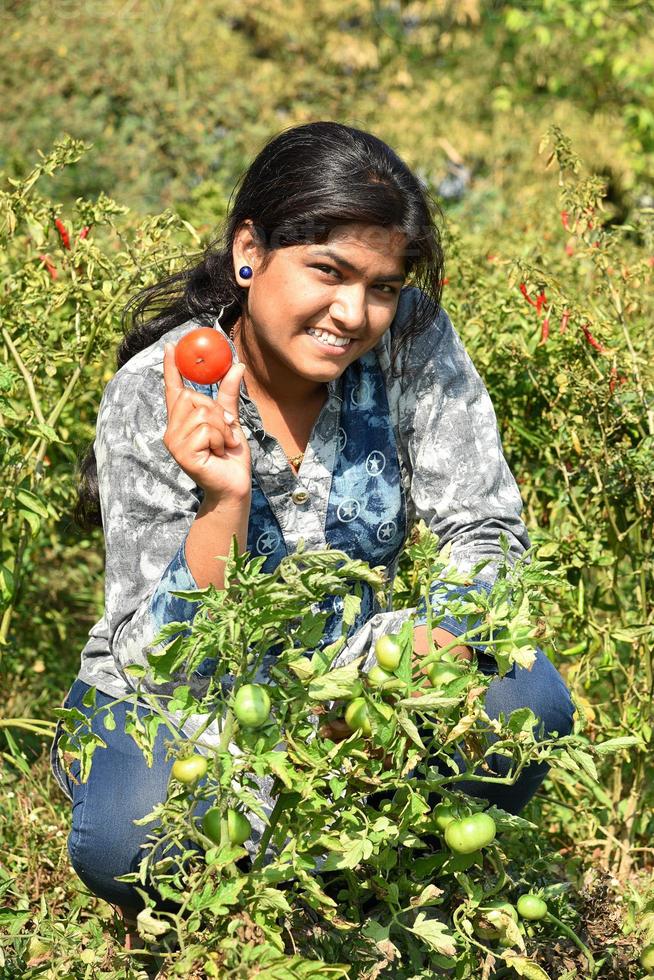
{"x":351,"y":411}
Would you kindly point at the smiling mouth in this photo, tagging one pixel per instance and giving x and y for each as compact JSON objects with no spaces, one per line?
{"x":329,"y":340}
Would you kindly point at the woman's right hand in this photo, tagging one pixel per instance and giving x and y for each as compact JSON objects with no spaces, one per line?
{"x":204,"y":435}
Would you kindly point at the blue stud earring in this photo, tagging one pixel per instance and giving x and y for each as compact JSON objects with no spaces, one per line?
{"x":245,"y":272}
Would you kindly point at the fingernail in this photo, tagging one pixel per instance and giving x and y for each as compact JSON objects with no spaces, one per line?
{"x":229,"y":418}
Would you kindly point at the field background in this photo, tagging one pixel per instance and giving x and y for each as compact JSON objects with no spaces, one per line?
{"x":533,"y":125}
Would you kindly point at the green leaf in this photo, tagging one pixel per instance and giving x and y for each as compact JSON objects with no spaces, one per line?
{"x":521,"y":720}
{"x":109,"y":720}
{"x":6,"y":583}
{"x":411,"y":730}
{"x":32,"y":502}
{"x":585,"y":761}
{"x":356,"y":852}
{"x":435,"y":934}
{"x":89,"y":699}
{"x":33,"y":521}
{"x":524,"y":967}
{"x":351,"y":609}
{"x":336,"y":684}
{"x":615,"y":744}
{"x":278,"y":762}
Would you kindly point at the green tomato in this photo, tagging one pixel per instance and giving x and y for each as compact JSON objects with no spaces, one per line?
{"x":189,"y":770}
{"x":388,"y":653}
{"x":444,"y":814}
{"x":647,"y":957}
{"x":357,"y":718}
{"x":211,"y":824}
{"x":238,"y":827}
{"x":470,"y":833}
{"x":252,"y":705}
{"x":494,"y":929}
{"x":441,"y":673}
{"x":531,"y":907}
{"x":378,"y":677}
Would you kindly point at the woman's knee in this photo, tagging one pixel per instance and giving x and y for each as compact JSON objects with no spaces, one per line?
{"x":104,"y":842}
{"x":541,"y":689}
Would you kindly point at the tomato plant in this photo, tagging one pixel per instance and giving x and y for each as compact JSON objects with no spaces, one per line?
{"x":238,"y":827}
{"x":252,"y":705}
{"x":470,"y":833}
{"x":531,"y":907}
{"x":189,"y":770}
{"x":203,"y":356}
{"x":388,"y":653}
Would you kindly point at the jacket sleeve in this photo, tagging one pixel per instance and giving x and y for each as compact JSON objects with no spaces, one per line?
{"x":148,"y":505}
{"x":460,"y":483}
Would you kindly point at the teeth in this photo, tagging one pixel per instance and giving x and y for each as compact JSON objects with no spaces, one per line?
{"x":328,"y":338}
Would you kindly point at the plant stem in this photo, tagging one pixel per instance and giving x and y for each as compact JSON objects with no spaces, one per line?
{"x":567,"y":931}
{"x":268,"y":832}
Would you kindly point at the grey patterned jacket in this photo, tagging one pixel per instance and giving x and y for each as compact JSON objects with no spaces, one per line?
{"x":384,"y":453}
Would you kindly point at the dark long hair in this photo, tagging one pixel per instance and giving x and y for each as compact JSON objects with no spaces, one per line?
{"x":305,"y":182}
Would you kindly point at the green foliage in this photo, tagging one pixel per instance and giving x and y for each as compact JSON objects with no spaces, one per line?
{"x":351,"y":834}
{"x":164,"y":106}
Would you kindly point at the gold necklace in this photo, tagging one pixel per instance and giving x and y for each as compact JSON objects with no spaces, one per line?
{"x":295,"y":461}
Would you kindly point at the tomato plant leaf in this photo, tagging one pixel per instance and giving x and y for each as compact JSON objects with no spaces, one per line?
{"x":336,"y":684}
{"x":524,"y":967}
{"x":615,"y":744}
{"x":435,"y":934}
{"x":411,"y":730}
{"x":430,"y":895}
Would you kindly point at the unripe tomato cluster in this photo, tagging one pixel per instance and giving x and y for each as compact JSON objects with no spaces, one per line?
{"x":388,"y":654}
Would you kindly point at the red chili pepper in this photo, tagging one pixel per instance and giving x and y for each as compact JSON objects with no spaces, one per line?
{"x":614,"y":375}
{"x":569,"y":249}
{"x":591,"y":340}
{"x":541,"y":299}
{"x":63,"y":233}
{"x":523,"y":290}
{"x":564,"y":322}
{"x":444,"y":282}
{"x":85,"y":230}
{"x":545,"y":330}
{"x":47,"y":262}
{"x":564,"y":220}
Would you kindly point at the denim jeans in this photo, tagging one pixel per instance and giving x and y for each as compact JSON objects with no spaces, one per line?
{"x":104,"y":842}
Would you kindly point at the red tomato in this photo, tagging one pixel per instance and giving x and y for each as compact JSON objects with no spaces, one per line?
{"x":203,"y":356}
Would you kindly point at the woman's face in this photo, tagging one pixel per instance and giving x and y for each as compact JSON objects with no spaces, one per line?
{"x":351,"y":294}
